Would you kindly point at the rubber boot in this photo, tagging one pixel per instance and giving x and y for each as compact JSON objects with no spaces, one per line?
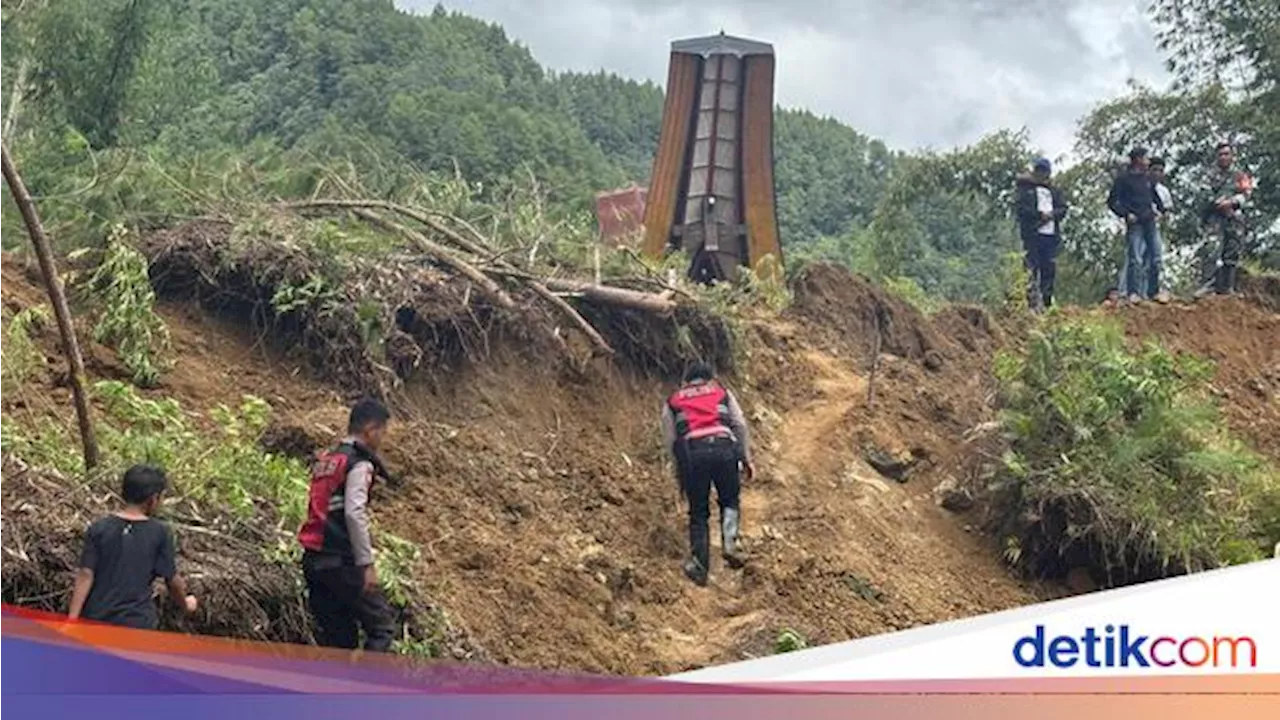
{"x":729,"y":537}
{"x":695,"y":568}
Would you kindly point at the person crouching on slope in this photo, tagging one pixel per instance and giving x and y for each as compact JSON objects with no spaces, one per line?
{"x":1041,"y":208}
{"x":337,"y":562}
{"x":706,"y":433}
{"x":123,"y":555}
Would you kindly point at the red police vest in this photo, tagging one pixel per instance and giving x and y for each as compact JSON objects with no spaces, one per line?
{"x":325,"y":529}
{"x":701,"y":411}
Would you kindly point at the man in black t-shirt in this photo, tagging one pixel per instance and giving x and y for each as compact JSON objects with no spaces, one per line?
{"x":123,"y":555}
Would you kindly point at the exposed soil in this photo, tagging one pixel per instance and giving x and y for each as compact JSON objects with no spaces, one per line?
{"x":550,"y":525}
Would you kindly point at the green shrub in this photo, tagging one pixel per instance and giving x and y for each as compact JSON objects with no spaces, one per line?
{"x":789,"y":641}
{"x":1119,"y":461}
{"x":21,"y":355}
{"x":908,"y":289}
{"x":128,"y":320}
{"x":227,"y":468}
{"x":422,"y":630}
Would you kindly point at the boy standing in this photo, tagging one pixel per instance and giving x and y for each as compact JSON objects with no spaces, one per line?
{"x":1165,"y":200}
{"x":123,"y":554}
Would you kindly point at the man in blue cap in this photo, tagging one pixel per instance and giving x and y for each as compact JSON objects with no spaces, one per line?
{"x":1041,"y":208}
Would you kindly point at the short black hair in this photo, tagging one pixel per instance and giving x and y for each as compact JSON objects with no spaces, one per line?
{"x":367,"y":411}
{"x":699,"y":371}
{"x":1157,"y":161}
{"x":1224,"y":144}
{"x":1137,"y":152}
{"x":141,"y":483}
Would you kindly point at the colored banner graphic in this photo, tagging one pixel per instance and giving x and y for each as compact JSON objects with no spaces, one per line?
{"x":1222,"y":622}
{"x":55,"y":668}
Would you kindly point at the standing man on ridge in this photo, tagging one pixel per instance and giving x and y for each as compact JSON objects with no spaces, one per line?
{"x":1155,"y":261}
{"x":337,"y":562}
{"x":1133,"y":199}
{"x":704,"y":429}
{"x":1225,"y":215}
{"x":1041,"y":208}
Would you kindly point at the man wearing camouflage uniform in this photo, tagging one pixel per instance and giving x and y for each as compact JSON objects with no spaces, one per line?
{"x":1224,"y":215}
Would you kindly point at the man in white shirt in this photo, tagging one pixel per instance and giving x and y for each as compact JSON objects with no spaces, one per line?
{"x":1162,"y":190}
{"x":1041,"y":208}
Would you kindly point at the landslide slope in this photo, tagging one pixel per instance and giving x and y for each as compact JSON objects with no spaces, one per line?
{"x":549,"y":524}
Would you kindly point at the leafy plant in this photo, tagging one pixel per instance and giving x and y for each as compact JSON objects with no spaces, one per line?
{"x":46,"y":444}
{"x":910,"y":290}
{"x":21,"y":355}
{"x":316,"y":291}
{"x":128,"y":320}
{"x":396,"y":561}
{"x":423,"y":633}
{"x":789,"y":641}
{"x":1118,"y":454}
{"x":227,"y":467}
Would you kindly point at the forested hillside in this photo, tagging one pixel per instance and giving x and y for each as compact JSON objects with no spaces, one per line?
{"x":365,"y":82}
{"x":200,"y":91}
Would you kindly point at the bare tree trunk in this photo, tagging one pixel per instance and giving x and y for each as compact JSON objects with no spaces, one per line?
{"x":660,"y":303}
{"x":16,"y":93}
{"x":59,"y":300}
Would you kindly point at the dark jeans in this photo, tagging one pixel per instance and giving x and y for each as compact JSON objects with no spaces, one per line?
{"x":705,"y":464}
{"x":1042,"y":264}
{"x":1142,"y":255}
{"x":340,"y":607}
{"x":1232,"y":245}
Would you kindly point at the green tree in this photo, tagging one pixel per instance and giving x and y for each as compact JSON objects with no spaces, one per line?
{"x":84,"y":53}
{"x":944,"y":221}
{"x":1234,"y":44}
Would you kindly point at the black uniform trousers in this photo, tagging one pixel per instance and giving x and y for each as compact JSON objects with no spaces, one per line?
{"x":705,"y":464}
{"x":341,"y":608}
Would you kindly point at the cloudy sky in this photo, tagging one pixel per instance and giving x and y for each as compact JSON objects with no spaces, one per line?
{"x":915,"y":73}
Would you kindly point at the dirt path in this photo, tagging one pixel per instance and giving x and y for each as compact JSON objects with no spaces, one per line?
{"x":826,"y":533}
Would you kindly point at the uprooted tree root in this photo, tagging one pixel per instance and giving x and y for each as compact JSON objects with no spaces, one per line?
{"x":371,"y":324}
{"x":1070,"y":531}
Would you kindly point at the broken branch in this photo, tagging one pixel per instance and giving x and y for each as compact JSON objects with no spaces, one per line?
{"x":442,"y":254}
{"x":573,"y":315}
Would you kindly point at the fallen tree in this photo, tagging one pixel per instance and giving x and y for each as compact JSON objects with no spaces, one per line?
{"x":416,"y":290}
{"x":478,"y":259}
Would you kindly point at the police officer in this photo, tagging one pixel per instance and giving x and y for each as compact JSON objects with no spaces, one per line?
{"x":706,"y":433}
{"x":342,"y":583}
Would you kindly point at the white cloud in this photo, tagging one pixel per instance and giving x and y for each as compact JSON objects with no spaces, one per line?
{"x":915,"y":73}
